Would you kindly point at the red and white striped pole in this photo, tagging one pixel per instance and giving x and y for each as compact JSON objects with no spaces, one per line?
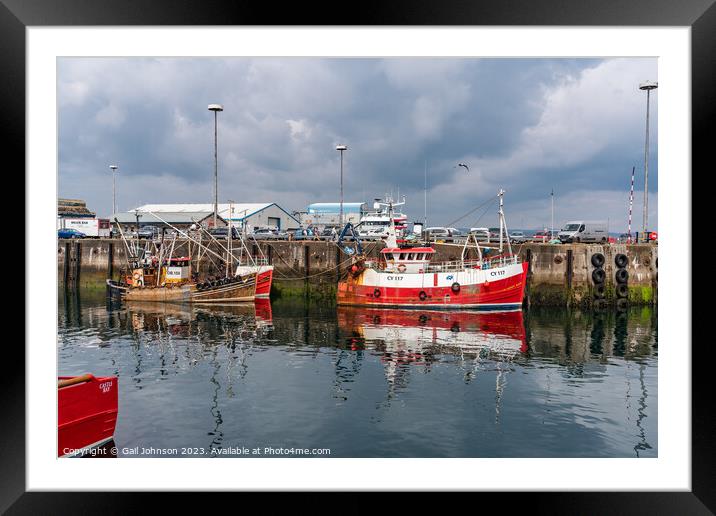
{"x":631,"y":203}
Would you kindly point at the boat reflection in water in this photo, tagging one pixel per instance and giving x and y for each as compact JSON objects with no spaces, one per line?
{"x":182,"y":319}
{"x":417,"y":331}
{"x":421,"y":338}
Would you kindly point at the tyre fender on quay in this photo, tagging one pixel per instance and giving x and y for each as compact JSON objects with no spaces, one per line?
{"x":598,"y":276}
{"x":597,"y":259}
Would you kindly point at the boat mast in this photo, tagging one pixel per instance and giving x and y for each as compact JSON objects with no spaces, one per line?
{"x":425,"y":192}
{"x":503,"y":223}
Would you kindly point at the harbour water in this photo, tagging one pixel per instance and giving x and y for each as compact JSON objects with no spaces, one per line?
{"x":297,"y":378}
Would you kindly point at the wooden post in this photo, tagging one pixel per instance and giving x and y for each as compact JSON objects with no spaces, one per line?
{"x":269,"y":254}
{"x":568,"y":274}
{"x":306,"y":266}
{"x":338,"y":264}
{"x":78,"y":263}
{"x":110,"y":259}
{"x":66,"y":266}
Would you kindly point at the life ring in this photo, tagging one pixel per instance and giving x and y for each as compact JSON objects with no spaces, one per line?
{"x":376,"y":293}
{"x":455,"y":287}
{"x":401,"y":267}
{"x":621,"y":260}
{"x":597,"y":259}
{"x":422,"y":295}
{"x":622,"y":275}
{"x":598,"y":275}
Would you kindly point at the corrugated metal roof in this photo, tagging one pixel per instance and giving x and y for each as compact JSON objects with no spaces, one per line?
{"x":240,"y":210}
{"x":222,"y":207}
{"x":185,"y":217}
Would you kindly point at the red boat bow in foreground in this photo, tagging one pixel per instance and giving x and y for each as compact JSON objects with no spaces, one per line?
{"x":87,"y":413}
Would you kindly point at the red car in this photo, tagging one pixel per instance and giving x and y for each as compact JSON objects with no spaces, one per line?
{"x":542,"y":236}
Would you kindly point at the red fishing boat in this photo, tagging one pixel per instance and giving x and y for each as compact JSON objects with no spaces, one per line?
{"x":87,"y":413}
{"x":406,"y":276}
{"x":264,"y":275}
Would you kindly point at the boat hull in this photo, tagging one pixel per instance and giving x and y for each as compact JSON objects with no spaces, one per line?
{"x":264,"y":277}
{"x":87,"y":414}
{"x":238,"y":291}
{"x":497,"y":288}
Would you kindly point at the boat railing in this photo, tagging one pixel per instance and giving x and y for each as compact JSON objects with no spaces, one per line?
{"x":256,"y":260}
{"x":455,"y":265}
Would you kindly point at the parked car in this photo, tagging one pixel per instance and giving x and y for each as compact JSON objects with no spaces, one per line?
{"x":436,"y":234}
{"x":265,"y":234}
{"x":542,"y":236}
{"x":329,"y":234}
{"x":481,"y":234}
{"x":222,"y":233}
{"x":148,"y":232}
{"x":518,"y":237}
{"x":303,"y":234}
{"x":455,"y":235}
{"x":70,"y":233}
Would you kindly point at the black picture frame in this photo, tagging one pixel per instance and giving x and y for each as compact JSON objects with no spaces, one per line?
{"x":700,"y":15}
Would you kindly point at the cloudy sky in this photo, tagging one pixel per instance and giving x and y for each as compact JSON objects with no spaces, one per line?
{"x":525,"y":125}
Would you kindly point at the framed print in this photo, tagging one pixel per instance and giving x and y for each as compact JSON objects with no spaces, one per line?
{"x":228,"y":278}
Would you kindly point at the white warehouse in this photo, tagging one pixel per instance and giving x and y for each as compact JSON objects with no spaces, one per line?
{"x":253,"y":215}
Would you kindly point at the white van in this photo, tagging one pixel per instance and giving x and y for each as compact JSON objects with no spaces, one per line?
{"x":99,"y":228}
{"x":581,"y":231}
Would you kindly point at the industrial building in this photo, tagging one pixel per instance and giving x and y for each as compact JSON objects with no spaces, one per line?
{"x":251,"y":216}
{"x":132,"y":220}
{"x":328,"y":213}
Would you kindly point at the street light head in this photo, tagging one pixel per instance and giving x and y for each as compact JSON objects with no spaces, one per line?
{"x":216,"y":107}
{"x":648,"y":85}
{"x":113,"y":167}
{"x":341,"y":147}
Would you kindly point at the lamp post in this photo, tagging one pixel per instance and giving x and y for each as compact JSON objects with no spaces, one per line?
{"x":648,"y":86}
{"x":114,"y":201}
{"x":216,"y":108}
{"x":341,"y":148}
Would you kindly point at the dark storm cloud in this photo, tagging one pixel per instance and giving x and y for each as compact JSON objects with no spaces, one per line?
{"x":528,"y":125}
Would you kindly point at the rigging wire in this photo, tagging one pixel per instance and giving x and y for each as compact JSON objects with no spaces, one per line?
{"x":486,"y":203}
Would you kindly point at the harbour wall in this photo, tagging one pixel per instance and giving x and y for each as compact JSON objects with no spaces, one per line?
{"x":559,"y":275}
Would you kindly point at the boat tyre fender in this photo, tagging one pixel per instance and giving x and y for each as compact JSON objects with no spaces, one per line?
{"x":376,"y":293}
{"x":621,"y":260}
{"x":599,"y":291}
{"x":422,"y":295}
{"x":622,"y":304}
{"x":597,"y":259}
{"x":401,"y":267}
{"x":622,"y":275}
{"x":622,"y":290}
{"x":598,"y":275}
{"x":455,"y":287}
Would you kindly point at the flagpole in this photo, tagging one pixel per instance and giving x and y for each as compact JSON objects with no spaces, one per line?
{"x":551,"y":230}
{"x":631,"y":203}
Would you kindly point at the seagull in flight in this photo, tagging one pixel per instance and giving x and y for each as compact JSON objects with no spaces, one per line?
{"x":463,"y":165}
